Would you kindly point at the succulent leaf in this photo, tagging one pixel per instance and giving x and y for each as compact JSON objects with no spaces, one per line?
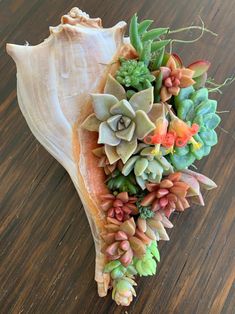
{"x":142,"y":100}
{"x":107,"y":135}
{"x":91,"y":123}
{"x":126,"y":149}
{"x":102,"y":104}
{"x":123,"y":107}
{"x":111,"y":153}
{"x":113,"y":87}
{"x":143,"y":124}
{"x":199,"y":67}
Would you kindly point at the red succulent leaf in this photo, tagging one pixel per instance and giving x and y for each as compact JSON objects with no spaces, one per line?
{"x":162,"y":192}
{"x":123,"y":196}
{"x":165,"y":184}
{"x":125,"y":245}
{"x":126,"y":209}
{"x":155,"y":206}
{"x":152,"y":186}
{"x":141,"y":235}
{"x":199,"y":67}
{"x":178,"y":60}
{"x":147,"y":200}
{"x":163,"y":201}
{"x":174,"y":176}
{"x":112,"y":249}
{"x":178,"y":191}
{"x":126,"y":258}
{"x":120,"y":236}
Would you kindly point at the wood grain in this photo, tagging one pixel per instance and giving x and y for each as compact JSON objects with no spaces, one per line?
{"x":46,"y":249}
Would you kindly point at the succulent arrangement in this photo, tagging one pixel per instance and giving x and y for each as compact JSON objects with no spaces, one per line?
{"x":126,"y":119}
{"x":154,"y":119}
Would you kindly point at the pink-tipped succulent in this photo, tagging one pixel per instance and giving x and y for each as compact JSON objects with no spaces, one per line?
{"x":174,"y":78}
{"x":169,"y":195}
{"x":153,"y":229}
{"x":196,"y":181}
{"x":122,"y":244}
{"x":119,"y":207}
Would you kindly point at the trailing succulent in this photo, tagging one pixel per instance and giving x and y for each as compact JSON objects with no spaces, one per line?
{"x":154,"y":119}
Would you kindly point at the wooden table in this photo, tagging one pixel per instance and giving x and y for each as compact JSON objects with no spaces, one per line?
{"x":46,"y":248}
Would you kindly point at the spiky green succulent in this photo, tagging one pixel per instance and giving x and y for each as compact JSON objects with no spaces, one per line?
{"x":134,"y":74}
{"x":120,"y":123}
{"x":148,"y":166}
{"x":194,"y":106}
{"x":147,"y":266}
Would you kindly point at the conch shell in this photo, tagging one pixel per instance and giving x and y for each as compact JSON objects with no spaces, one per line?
{"x":54,"y":80}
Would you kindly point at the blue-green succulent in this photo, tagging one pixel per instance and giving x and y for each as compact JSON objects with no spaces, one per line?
{"x":194,"y":106}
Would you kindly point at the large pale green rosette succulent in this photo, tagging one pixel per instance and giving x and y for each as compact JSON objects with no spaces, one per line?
{"x":120,"y":123}
{"x":148,"y":164}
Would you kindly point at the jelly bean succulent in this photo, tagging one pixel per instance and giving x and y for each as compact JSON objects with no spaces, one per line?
{"x":153,"y":119}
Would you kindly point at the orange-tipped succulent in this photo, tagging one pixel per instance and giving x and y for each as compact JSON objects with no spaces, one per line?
{"x":182,"y":132}
{"x":160,"y":135}
{"x":174,"y":78}
{"x":176,"y":133}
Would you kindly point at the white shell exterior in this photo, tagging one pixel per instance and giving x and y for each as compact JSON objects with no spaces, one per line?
{"x":54,"y":80}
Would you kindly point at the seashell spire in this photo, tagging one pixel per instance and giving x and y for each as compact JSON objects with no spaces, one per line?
{"x":54,"y":81}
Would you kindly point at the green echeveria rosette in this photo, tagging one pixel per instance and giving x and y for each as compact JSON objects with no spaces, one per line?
{"x":194,"y":106}
{"x":147,"y":166}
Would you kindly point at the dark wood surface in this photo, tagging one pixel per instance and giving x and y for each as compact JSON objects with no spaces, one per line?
{"x":46,"y":248}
